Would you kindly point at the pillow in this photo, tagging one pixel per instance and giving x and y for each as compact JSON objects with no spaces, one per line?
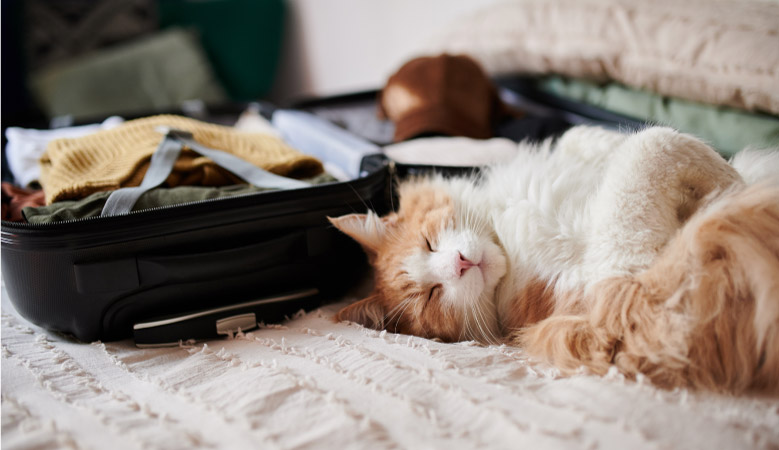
{"x":721,"y":52}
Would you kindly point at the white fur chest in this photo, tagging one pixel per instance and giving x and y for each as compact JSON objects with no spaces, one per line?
{"x":541,"y":216}
{"x":540,"y":207}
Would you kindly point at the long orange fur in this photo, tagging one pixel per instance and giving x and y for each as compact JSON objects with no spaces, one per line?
{"x":704,"y":315}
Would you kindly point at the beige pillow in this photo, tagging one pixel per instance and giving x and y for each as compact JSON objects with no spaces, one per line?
{"x":723,"y":52}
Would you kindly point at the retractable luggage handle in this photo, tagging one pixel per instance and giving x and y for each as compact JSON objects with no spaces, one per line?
{"x":121,"y":201}
{"x":147,"y":271}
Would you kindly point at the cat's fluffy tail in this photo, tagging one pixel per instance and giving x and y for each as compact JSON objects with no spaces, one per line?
{"x":705,"y":314}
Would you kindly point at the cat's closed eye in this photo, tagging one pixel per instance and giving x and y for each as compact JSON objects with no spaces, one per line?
{"x":429,"y":247}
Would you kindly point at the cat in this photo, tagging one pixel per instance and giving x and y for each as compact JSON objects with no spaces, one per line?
{"x":646,"y":251}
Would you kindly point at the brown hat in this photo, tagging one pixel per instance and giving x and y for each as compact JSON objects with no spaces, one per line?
{"x":445,"y":94}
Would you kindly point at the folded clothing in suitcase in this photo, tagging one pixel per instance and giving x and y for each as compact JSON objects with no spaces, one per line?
{"x":200,"y":269}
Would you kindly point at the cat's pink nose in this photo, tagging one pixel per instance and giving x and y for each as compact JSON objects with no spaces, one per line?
{"x":462,"y":264}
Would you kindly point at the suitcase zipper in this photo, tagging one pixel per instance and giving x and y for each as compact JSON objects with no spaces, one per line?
{"x":160,"y":209}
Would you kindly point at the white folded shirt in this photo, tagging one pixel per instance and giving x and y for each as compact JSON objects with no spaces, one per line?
{"x":26,"y":146}
{"x":452,"y":151}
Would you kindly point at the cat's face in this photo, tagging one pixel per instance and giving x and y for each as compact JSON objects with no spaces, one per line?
{"x":436,"y":267}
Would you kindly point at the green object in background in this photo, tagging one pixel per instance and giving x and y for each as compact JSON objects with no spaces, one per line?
{"x":242,"y":38}
{"x":728,"y":130}
{"x":154,"y":73}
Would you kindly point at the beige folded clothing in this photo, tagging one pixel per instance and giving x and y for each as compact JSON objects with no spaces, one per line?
{"x":111,"y":159}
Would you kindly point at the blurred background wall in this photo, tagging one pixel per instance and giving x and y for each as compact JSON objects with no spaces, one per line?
{"x":339,"y":46}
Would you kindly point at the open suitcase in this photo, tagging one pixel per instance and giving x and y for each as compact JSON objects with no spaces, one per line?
{"x":196,"y":270}
{"x":205,"y":269}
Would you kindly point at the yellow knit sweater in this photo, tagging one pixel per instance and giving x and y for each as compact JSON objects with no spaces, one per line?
{"x":111,"y":159}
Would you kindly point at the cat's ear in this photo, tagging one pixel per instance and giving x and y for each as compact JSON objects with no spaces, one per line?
{"x":368,"y":312}
{"x":367,"y":229}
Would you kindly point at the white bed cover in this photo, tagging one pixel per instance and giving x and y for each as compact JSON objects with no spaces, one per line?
{"x":313,"y":383}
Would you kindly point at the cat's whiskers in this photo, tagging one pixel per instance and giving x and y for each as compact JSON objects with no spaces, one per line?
{"x":468,"y":321}
{"x":468,"y":331}
{"x":482,"y":321}
{"x":473,"y":221}
{"x":398,"y":311}
{"x":493,"y":320}
{"x":475,"y":314}
{"x":490,"y":329}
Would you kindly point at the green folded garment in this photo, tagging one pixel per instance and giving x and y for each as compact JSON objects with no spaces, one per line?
{"x":728,"y":130}
{"x":154,"y":73}
{"x":92,"y":205}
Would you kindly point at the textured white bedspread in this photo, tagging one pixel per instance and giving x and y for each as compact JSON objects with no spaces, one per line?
{"x":312,"y":383}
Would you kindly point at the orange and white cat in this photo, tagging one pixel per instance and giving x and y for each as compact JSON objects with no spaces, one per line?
{"x":643,"y":251}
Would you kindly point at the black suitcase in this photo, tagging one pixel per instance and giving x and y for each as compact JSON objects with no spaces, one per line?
{"x":195,"y":270}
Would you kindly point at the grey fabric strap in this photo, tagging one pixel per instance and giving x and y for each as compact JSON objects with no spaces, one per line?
{"x":121,"y":201}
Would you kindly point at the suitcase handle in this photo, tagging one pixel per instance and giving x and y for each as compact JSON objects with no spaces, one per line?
{"x":154,"y":270}
{"x":219,"y":321}
{"x":146,"y":271}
